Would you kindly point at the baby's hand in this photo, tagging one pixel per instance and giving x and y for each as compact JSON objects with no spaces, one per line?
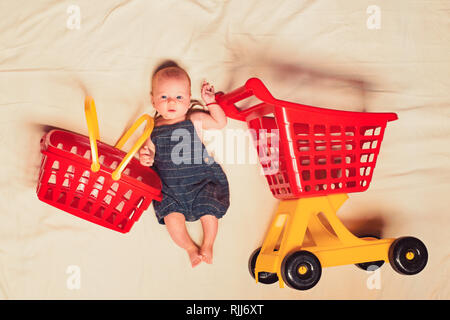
{"x":208,"y":94}
{"x":146,"y":156}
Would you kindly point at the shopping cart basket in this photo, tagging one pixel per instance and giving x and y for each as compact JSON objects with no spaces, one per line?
{"x":312,"y":157}
{"x":94,"y":181}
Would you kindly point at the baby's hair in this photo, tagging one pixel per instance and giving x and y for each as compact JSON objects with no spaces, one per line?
{"x":170,"y":69}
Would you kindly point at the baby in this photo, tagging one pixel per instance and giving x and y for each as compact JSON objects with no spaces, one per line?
{"x":193,"y":185}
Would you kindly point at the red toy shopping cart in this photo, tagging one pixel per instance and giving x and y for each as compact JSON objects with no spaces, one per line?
{"x":312,"y":157}
{"x":94,"y":181}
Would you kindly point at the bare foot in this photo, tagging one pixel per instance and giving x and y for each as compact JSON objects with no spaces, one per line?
{"x":206,"y":252}
{"x":194,"y":256}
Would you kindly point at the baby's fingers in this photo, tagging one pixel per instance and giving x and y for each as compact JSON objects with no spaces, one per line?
{"x":146,"y":161}
{"x":207,"y":88}
{"x":205,"y":85}
{"x":144,"y":151}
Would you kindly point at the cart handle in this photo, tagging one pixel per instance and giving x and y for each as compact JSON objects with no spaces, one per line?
{"x":92,"y":123}
{"x":256,"y":87}
{"x":253,"y":86}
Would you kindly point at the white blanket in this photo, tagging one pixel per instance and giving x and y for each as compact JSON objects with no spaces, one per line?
{"x":377,"y":56}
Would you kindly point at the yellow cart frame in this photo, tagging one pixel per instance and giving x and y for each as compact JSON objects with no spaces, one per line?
{"x":333,"y":245}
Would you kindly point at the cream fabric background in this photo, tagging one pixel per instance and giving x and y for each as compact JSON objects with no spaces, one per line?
{"x":315,"y":52}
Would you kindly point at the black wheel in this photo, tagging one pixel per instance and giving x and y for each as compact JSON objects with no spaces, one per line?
{"x":263,"y":277}
{"x":373,"y":265}
{"x":408,"y":255}
{"x":301,"y":270}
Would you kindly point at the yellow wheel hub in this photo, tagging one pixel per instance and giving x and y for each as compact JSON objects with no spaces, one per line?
{"x":302,"y":269}
{"x":410,"y":255}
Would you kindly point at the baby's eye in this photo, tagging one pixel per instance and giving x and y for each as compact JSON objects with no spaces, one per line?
{"x":163,"y":97}
{"x":179,"y":97}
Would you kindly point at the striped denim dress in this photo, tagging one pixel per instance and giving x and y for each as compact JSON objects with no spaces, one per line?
{"x":192,"y":182}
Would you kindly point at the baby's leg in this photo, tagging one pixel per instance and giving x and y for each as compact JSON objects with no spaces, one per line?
{"x":176,"y":225}
{"x":210,"y":225}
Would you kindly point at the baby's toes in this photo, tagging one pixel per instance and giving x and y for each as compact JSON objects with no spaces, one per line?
{"x":207,"y":255}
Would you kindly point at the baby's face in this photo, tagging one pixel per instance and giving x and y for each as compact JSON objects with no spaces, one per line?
{"x":171,"y":97}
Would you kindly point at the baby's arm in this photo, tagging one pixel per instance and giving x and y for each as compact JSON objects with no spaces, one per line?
{"x":216,"y":119}
{"x":147,"y":153}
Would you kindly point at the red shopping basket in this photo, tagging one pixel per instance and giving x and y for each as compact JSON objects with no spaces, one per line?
{"x":305,"y":150}
{"x":83,"y":176}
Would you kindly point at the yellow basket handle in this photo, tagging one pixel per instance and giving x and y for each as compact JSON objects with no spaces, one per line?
{"x":147,"y":131}
{"x":91,"y":118}
{"x":94,"y":135}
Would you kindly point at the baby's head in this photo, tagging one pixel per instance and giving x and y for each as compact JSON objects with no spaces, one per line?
{"x":171,"y":92}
